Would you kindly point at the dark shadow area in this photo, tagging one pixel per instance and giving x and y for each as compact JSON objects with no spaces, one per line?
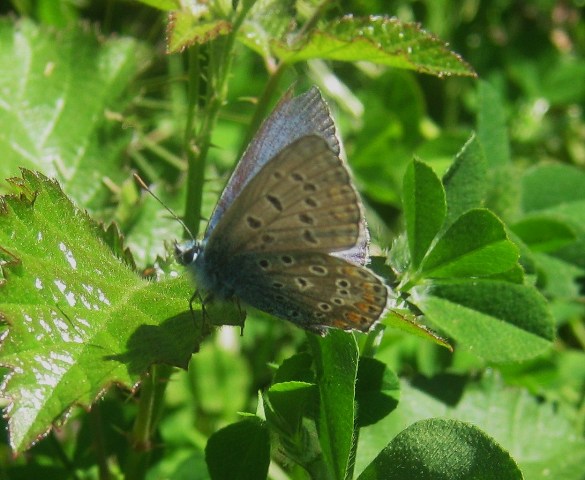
{"x":447,"y":388}
{"x":377,"y":391}
{"x":172,"y":343}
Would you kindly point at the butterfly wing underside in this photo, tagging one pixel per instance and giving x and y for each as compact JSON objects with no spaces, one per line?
{"x":275,"y":242}
{"x":292,"y":118}
{"x":313,"y":290}
{"x":302,"y":200}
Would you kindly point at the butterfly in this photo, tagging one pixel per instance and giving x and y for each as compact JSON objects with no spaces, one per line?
{"x":288,"y":234}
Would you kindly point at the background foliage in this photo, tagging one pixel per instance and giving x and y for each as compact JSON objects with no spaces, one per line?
{"x":482,"y":237}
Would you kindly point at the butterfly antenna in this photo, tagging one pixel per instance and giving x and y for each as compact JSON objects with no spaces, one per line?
{"x":173,"y":214}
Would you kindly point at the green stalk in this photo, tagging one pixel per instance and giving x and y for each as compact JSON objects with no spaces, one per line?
{"x":149,"y":412}
{"x":220,"y":61}
{"x":98,"y":442}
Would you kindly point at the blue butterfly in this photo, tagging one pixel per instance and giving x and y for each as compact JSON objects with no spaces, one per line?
{"x":288,"y":234}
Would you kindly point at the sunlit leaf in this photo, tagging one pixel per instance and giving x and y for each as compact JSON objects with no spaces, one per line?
{"x":80,"y":319}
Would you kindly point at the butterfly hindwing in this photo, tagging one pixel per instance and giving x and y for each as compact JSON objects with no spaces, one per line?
{"x":313,"y":290}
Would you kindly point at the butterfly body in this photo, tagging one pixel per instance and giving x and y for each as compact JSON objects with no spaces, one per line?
{"x":291,"y":238}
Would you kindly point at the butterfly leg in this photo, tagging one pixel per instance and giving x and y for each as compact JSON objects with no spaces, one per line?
{"x":242,"y":314}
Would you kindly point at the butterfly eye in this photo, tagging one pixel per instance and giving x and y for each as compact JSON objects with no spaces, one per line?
{"x":187,"y":253}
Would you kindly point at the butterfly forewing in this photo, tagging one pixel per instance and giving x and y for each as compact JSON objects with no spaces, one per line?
{"x":313,"y":290}
{"x":302,"y":200}
{"x":292,"y":118}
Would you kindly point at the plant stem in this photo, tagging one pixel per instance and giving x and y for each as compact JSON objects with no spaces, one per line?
{"x":63,"y":457}
{"x":101,"y":454}
{"x":220,"y":60}
{"x":150,"y":408}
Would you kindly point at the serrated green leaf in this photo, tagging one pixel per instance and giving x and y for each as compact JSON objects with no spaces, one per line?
{"x":78,"y":316}
{"x":186,"y":28}
{"x":465,"y":181}
{"x":240,"y":450}
{"x":476,"y":245}
{"x":54,"y":102}
{"x":336,"y":363}
{"x":442,"y":448}
{"x":383,"y":40}
{"x":496,"y":320}
{"x":424,"y":208}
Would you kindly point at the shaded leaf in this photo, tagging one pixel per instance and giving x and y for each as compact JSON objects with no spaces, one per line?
{"x":289,"y":402}
{"x":548,"y":186}
{"x":377,"y":391}
{"x":240,"y":450}
{"x":540,"y":437}
{"x":543,"y":234}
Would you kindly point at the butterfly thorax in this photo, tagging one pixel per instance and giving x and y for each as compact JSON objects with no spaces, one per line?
{"x":206,"y":271}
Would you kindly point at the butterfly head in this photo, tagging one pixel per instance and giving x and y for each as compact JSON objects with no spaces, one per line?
{"x":186,"y":253}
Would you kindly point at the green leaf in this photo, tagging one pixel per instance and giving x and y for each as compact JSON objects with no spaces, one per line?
{"x":336,"y":363}
{"x":441,"y":448}
{"x":79,"y":318}
{"x":543,"y":234}
{"x":289,"y":402}
{"x":476,"y":245}
{"x":492,"y":132}
{"x":548,"y":186}
{"x":559,"y":279}
{"x":54,"y":105}
{"x":465,"y":181}
{"x":405,"y":320}
{"x":496,"y":320}
{"x":503,"y":188}
{"x":424,"y":208}
{"x":164,"y":5}
{"x":382,"y":40}
{"x":240,"y":450}
{"x":267,"y":20}
{"x":541,"y":438}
